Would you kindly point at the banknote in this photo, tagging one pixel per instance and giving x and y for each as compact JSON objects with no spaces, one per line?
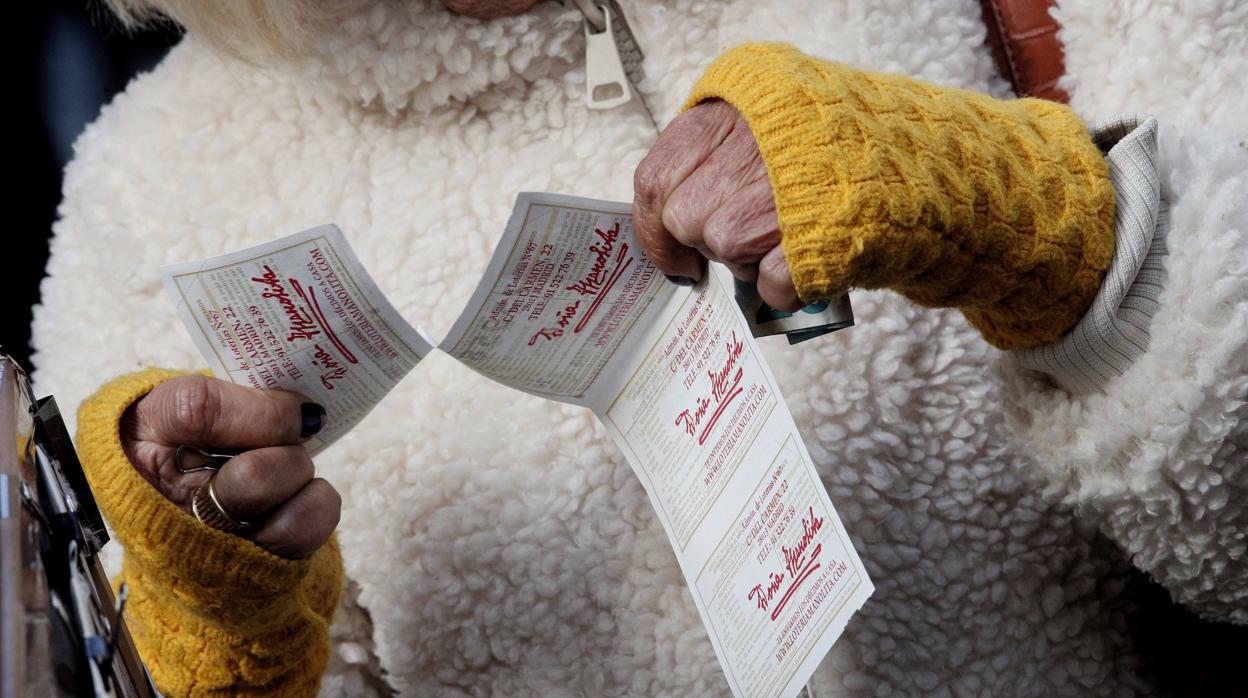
{"x":815,"y":320}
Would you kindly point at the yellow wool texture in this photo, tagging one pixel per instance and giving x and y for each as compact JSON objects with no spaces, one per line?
{"x":1002,"y":208}
{"x":212,"y":614}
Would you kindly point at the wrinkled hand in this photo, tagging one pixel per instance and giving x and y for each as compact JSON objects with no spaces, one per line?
{"x":703,"y":192}
{"x":271,"y":482}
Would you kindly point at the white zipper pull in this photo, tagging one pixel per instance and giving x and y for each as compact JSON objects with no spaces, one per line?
{"x":606,"y":83}
{"x":613,"y":58}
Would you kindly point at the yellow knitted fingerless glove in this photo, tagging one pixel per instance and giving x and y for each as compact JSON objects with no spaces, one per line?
{"x":212,"y":614}
{"x":1003,"y":209}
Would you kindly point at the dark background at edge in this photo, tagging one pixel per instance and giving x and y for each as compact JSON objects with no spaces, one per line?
{"x":72,"y":57}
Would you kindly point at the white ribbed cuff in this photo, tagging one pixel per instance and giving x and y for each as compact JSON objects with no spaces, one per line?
{"x":1115,"y":330}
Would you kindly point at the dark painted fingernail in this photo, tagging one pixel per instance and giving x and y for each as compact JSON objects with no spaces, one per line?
{"x":682,"y":280}
{"x":313,"y":419}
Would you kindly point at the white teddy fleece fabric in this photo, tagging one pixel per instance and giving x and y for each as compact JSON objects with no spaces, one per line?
{"x":499,"y":542}
{"x":1181,"y":60}
{"x":1159,"y":460}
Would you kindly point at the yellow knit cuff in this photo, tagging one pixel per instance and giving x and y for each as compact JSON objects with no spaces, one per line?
{"x":1002,"y":208}
{"x":155,"y":532}
{"x":775,"y":88}
{"x":212,"y":614}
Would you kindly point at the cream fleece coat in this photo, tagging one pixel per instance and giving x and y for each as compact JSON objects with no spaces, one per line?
{"x":500,"y":543}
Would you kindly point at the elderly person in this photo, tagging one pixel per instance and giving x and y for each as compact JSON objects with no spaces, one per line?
{"x":495,"y":559}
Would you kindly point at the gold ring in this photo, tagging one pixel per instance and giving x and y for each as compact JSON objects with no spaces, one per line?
{"x":207,"y":508}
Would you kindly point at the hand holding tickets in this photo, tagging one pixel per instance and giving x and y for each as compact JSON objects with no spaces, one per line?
{"x":703,"y":193}
{"x":269,"y":481}
{"x":300,"y":314}
{"x":570,"y":308}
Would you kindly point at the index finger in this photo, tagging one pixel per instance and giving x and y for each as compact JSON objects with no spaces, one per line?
{"x":684,"y":145}
{"x":205,"y":412}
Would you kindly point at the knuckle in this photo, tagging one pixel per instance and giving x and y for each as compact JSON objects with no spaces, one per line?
{"x":716,"y":118}
{"x":647,"y":178}
{"x":710,"y":110}
{"x":301,"y":462}
{"x":302,"y":538}
{"x":675,"y":217}
{"x":776,"y":268}
{"x":315,"y":521}
{"x":746,"y":273}
{"x":195,"y":407}
{"x":723,"y":244}
{"x":333,"y":504}
{"x":282,"y":537}
{"x":249,"y":471}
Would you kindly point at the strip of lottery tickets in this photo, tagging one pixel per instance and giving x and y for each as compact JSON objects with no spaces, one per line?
{"x":570,"y":309}
{"x":300,"y":314}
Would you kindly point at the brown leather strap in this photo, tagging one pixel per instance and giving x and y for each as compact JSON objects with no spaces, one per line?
{"x":1023,"y":38}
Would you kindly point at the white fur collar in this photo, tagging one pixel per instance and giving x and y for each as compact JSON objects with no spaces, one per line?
{"x":418,"y":55}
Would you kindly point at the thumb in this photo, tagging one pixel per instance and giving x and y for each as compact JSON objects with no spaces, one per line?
{"x":204,"y":412}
